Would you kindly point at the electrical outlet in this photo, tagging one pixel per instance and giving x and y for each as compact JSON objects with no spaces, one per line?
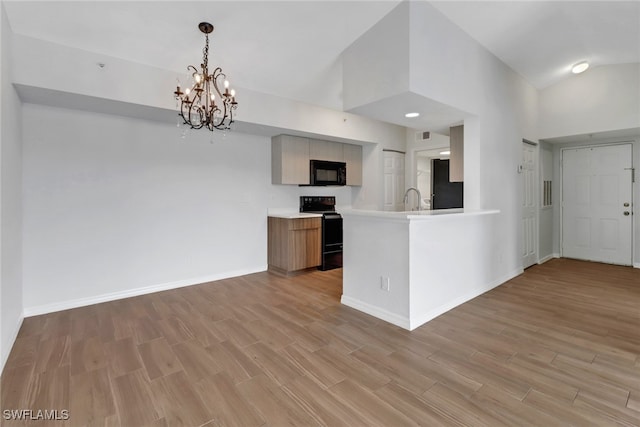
{"x":384,"y":283}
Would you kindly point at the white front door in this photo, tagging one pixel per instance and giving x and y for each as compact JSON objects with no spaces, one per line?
{"x":597,"y":203}
{"x":393,"y":181}
{"x":529,"y":205}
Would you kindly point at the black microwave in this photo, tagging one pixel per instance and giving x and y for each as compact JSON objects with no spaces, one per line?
{"x":328,"y":173}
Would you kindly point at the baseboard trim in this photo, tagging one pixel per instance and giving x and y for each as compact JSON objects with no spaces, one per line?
{"x":112,"y":296}
{"x":377,"y":312}
{"x":546,"y":258}
{"x":636,"y":265}
{"x":14,"y":337}
{"x":414,"y":322}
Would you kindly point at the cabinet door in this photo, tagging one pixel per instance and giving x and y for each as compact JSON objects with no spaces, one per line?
{"x":456,"y":146}
{"x":304,"y":248}
{"x":325,"y":150}
{"x":353,"y":158}
{"x":289,"y":160}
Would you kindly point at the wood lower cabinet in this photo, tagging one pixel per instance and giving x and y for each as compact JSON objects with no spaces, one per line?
{"x":294,"y":244}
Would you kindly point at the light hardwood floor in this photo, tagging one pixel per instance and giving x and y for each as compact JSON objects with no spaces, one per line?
{"x":558,"y":345}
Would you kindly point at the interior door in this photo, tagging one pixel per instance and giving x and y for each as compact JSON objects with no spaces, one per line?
{"x":445,"y":194}
{"x":529,"y":205}
{"x":393,"y":181}
{"x":597,"y":203}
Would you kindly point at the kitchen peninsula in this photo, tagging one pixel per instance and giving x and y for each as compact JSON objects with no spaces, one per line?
{"x":409,"y":267}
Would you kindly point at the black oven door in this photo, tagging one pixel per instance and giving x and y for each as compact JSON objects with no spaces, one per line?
{"x":331,"y":241}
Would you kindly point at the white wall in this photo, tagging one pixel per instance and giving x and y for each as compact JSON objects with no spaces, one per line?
{"x":604,"y":98}
{"x":10,"y":200}
{"x":113,"y":205}
{"x":371,"y":74}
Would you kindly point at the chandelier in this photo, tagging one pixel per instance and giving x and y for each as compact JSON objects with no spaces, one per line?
{"x":204,"y":104}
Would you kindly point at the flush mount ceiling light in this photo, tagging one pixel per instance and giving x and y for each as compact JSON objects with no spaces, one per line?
{"x":411,"y":115}
{"x":204,"y":104}
{"x":580,"y":67}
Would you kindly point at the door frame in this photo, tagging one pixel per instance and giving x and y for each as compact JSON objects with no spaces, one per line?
{"x":561,"y":182}
{"x":536,"y":198}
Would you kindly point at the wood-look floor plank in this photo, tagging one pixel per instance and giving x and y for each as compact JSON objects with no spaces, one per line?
{"x":313,"y":366}
{"x":546,"y":384}
{"x":511,"y":410}
{"x":133,"y":398}
{"x":49,"y":390}
{"x":633,"y":402}
{"x":568,"y":415}
{"x":91,"y":401}
{"x":196,"y":360}
{"x":482,"y":374}
{"x":370,"y":407}
{"x":277,"y":367}
{"x":449,"y":377}
{"x":464,"y":411}
{"x":175,"y":398}
{"x":145,"y":329}
{"x":14,"y":384}
{"x":52,"y":353}
{"x":402,"y":373}
{"x":603,"y":408}
{"x":226,"y":404}
{"x":87,"y":354}
{"x":325,"y":408}
{"x":352,"y":368}
{"x":557,"y":345}
{"x":273,"y":404}
{"x":158,"y":358}
{"x":414,"y":406}
{"x":123,"y":356}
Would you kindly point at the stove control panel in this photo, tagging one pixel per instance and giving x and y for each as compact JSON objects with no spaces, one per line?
{"x":317,"y":203}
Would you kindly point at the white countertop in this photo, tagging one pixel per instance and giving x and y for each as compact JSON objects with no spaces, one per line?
{"x":418,"y":215}
{"x":294,"y":215}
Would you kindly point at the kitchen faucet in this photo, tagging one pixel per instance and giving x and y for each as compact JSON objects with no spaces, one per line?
{"x":406,"y":196}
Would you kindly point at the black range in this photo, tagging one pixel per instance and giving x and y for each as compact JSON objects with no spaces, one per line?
{"x":331,"y":228}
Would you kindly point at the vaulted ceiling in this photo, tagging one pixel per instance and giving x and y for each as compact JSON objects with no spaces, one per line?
{"x":292,"y":48}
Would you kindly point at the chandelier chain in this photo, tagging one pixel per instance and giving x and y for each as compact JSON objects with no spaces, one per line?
{"x":205,"y":54}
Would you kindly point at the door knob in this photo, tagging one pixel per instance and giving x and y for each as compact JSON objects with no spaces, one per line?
{"x":625,"y":204}
{"x":626,"y":213}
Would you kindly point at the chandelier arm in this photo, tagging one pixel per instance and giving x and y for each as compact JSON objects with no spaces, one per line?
{"x":192,"y":110}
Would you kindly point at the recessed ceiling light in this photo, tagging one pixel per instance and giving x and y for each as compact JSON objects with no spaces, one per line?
{"x":411,"y":115}
{"x":580,"y":67}
{"x":445,"y":153}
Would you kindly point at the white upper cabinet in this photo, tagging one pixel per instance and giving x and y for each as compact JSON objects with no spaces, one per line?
{"x":289,"y":160}
{"x":353,"y":158}
{"x":290,"y":157}
{"x":456,"y":158}
{"x":326,"y":150}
